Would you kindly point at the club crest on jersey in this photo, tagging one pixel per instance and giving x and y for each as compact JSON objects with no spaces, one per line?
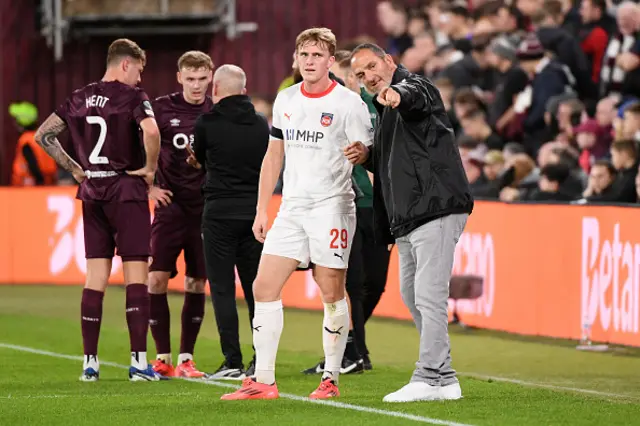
{"x":326,"y":119}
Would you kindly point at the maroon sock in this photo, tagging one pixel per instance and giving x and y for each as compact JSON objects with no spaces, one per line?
{"x":138,"y":316}
{"x":91,"y":317}
{"x":192,"y":314}
{"x":160,"y":322}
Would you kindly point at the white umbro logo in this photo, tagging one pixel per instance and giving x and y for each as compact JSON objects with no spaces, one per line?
{"x":174,"y":122}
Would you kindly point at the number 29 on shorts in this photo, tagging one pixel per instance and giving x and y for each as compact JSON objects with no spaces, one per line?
{"x":339,"y":234}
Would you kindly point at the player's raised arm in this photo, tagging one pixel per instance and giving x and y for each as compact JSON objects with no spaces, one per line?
{"x":47,"y":138}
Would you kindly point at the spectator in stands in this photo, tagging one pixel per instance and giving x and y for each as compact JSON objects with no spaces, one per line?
{"x":393,"y":18}
{"x":473,"y":69}
{"x":522,"y":172}
{"x":473,"y":164}
{"x":493,"y":165}
{"x":546,"y":153}
{"x":620,"y":74}
{"x":552,"y":176}
{"x":446,"y":88}
{"x":577,"y":180}
{"x":474,"y":124}
{"x":424,"y":49}
{"x":594,"y":142}
{"x":510,"y":150}
{"x":501,"y":56}
{"x":418,"y":23}
{"x":565,"y":47}
{"x":605,"y":114}
{"x":549,"y":79}
{"x":505,"y":19}
{"x":601,"y":178}
{"x":465,"y":100}
{"x":624,"y":157}
{"x":594,"y":33}
{"x":455,"y":24}
{"x":431,"y":8}
{"x":631,"y":122}
{"x":569,"y":115}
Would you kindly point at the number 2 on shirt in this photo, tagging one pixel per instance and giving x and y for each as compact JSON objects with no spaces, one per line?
{"x":338,"y":234}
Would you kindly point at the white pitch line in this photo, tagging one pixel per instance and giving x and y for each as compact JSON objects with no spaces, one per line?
{"x":547,"y":386}
{"x":83,"y":396}
{"x":329,"y":403}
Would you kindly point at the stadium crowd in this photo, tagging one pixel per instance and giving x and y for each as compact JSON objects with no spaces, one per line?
{"x":543,"y":94}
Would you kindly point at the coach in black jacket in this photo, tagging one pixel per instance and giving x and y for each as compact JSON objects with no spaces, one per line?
{"x":230,"y":141}
{"x":422,"y":200}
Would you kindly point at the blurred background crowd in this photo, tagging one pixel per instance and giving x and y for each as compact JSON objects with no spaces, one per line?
{"x":543,"y":95}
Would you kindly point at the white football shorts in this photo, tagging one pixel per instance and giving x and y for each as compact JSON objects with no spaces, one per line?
{"x":324,"y":240}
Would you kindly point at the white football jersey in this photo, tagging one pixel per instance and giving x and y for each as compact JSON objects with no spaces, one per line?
{"x":315,"y":129}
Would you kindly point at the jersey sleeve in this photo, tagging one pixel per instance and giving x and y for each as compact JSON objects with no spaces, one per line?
{"x":276,"y":120}
{"x":142,"y":107}
{"x":358,"y":125}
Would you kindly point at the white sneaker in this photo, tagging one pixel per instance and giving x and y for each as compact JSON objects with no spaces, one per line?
{"x":414,"y":391}
{"x":451,"y":392}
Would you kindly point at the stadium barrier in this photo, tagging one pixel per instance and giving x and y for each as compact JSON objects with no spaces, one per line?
{"x":547,"y":269}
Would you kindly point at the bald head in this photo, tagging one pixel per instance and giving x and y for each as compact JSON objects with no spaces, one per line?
{"x":229,"y":80}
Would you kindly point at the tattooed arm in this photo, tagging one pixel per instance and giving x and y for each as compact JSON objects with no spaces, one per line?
{"x":47,"y":138}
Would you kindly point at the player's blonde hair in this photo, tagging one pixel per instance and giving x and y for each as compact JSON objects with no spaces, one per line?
{"x":195,"y":59}
{"x":320,"y":36}
{"x":123,"y":48}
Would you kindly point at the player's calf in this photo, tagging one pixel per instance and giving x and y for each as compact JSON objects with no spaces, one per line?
{"x":192,"y":316}
{"x":137,"y":311}
{"x":160,"y":321}
{"x":335,"y":326}
{"x":91,"y":315}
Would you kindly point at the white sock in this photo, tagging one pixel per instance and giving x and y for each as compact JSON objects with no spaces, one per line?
{"x":91,"y":361}
{"x":139,"y":360}
{"x":268,"y":322}
{"x":164,"y":357}
{"x":184,"y":357}
{"x":335,"y":332}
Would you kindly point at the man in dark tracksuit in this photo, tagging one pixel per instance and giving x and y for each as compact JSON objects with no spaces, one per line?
{"x":230,"y":141}
{"x":421,"y":201}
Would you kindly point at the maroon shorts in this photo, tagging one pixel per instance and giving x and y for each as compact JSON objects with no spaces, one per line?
{"x":122,"y":225}
{"x":173,"y":230}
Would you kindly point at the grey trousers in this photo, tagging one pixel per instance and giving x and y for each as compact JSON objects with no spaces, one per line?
{"x":426,"y":260}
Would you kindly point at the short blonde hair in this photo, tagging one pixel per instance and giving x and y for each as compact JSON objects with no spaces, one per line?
{"x":195,"y":59}
{"x":320,"y":36}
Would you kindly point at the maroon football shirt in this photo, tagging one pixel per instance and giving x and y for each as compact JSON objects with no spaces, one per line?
{"x":103,"y":119}
{"x":176,"y":119}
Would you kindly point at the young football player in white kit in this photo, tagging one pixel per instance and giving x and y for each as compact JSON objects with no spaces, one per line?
{"x":312,"y":123}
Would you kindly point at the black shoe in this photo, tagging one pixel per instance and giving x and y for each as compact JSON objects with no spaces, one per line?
{"x":367,"y":362}
{"x":251,"y":369}
{"x":352,"y":367}
{"x":348,"y":367}
{"x":316,"y":369}
{"x":227,"y":372}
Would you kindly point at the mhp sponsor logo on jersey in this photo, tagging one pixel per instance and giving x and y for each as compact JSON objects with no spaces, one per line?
{"x":326,"y":119}
{"x":303,"y":135}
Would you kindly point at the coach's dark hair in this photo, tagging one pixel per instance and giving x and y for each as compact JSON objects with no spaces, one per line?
{"x":377,"y":50}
